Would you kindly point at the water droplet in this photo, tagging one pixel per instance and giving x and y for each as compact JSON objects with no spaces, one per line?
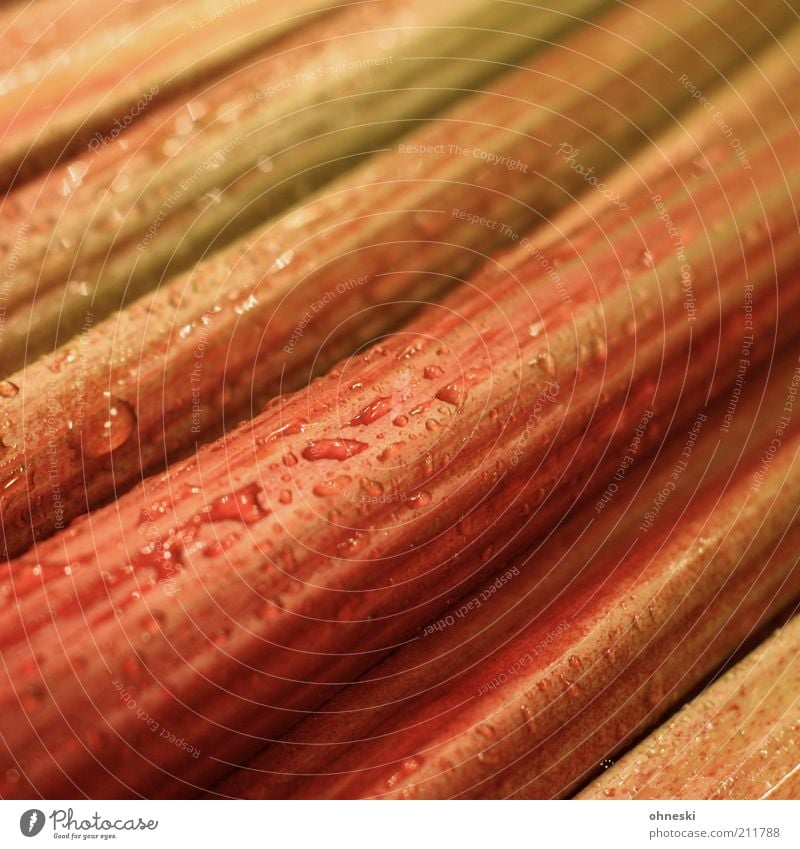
{"x":115,"y":430}
{"x":243,"y":506}
{"x":333,"y":449}
{"x":372,"y":488}
{"x":453,"y":393}
{"x":528,"y":719}
{"x":372,"y":411}
{"x":392,"y":451}
{"x":8,"y":389}
{"x":545,"y":363}
{"x":489,"y":756}
{"x":283,"y":261}
{"x":332,"y":486}
{"x":432,"y":372}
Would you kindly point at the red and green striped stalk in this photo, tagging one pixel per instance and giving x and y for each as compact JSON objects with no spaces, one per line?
{"x":92,"y":69}
{"x":226,"y":598}
{"x":263,"y":316}
{"x":156,"y":200}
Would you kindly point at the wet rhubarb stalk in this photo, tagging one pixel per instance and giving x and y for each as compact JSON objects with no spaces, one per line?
{"x":144,"y":206}
{"x":266,"y":314}
{"x":56,"y":100}
{"x":737,"y":740}
{"x":235,"y":592}
{"x":524,"y":686}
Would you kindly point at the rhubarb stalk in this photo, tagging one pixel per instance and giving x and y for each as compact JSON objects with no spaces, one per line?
{"x":310,"y":105}
{"x":525,"y":685}
{"x":234,"y":593}
{"x":737,"y":740}
{"x":248,"y":324}
{"x":54,"y":103}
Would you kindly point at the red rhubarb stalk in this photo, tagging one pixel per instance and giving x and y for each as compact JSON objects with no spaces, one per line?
{"x":550,"y":668}
{"x":235,"y":592}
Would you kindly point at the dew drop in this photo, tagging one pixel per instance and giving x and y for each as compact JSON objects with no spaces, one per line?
{"x":432,"y":372}
{"x":332,"y":486}
{"x":452,"y":393}
{"x":372,"y":488}
{"x":243,"y":506}
{"x":333,"y":449}
{"x":545,"y":363}
{"x":114,"y":431}
{"x":372,"y":412}
{"x":528,"y":719}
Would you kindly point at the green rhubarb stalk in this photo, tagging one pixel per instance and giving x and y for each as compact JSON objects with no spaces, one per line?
{"x":263,"y":316}
{"x":311,"y":104}
{"x":55,"y":106}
